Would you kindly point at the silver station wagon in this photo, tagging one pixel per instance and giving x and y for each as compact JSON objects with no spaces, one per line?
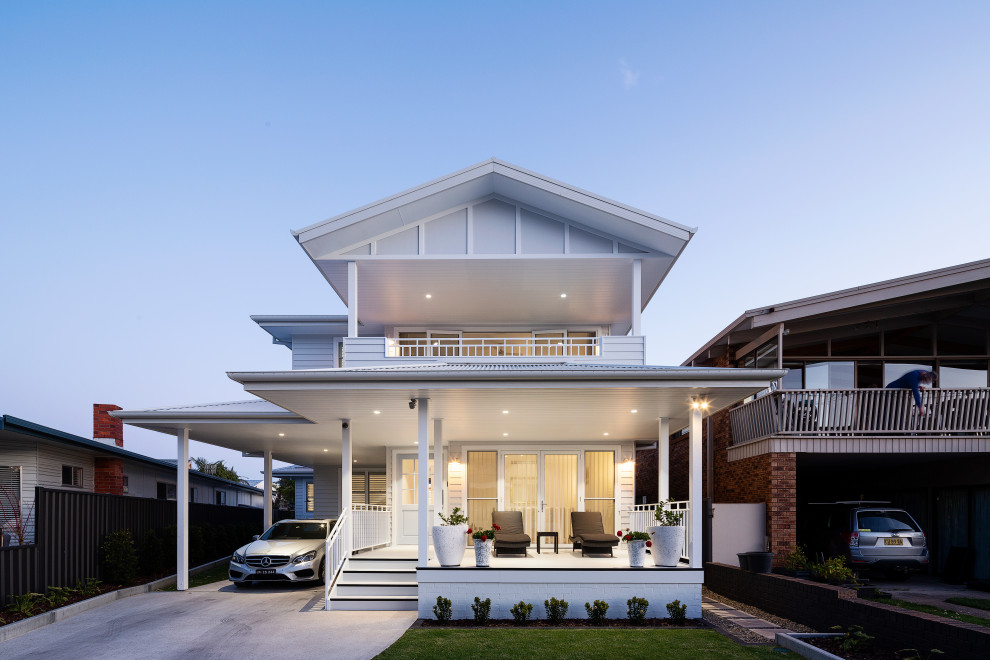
{"x":869,"y":535}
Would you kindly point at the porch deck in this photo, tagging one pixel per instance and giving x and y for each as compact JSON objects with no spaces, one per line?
{"x":546,"y":559}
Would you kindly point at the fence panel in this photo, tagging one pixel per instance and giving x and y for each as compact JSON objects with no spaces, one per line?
{"x":18,"y":571}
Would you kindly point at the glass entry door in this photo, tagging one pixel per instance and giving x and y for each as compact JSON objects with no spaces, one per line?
{"x":545,"y":487}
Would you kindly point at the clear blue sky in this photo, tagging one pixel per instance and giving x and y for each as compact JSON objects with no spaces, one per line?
{"x":154,"y":156}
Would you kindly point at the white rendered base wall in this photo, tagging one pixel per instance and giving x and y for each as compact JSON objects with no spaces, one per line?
{"x":506,"y":587}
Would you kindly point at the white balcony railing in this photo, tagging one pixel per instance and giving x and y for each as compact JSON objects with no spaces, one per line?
{"x":642,"y":517}
{"x":864,"y":412}
{"x":484,"y":347}
{"x":372,"y":526}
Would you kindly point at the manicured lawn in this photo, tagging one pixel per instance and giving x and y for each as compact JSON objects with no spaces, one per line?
{"x":937,"y":611}
{"x":215,"y":574}
{"x":978,"y":603}
{"x":429,"y":644}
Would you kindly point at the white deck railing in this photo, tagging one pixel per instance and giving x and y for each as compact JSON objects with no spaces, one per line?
{"x":372,"y":526}
{"x":335,"y":552}
{"x":861,"y":412}
{"x":642,"y":517}
{"x":483,"y":347}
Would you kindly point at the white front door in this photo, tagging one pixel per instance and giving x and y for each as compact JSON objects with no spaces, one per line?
{"x":406,"y":496}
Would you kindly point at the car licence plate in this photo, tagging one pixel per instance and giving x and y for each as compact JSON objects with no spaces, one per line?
{"x":893,"y":541}
{"x":271,"y":571}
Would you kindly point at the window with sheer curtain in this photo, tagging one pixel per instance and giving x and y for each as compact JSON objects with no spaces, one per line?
{"x":599,"y":486}
{"x":482,"y":487}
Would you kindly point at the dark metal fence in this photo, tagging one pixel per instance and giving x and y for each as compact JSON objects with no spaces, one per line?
{"x":70,"y":527}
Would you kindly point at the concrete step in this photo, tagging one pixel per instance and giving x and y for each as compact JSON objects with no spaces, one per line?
{"x":367,"y":564}
{"x":380,"y":603}
{"x":377,"y":575}
{"x":376,"y":589}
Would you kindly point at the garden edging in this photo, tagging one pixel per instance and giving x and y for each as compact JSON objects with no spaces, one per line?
{"x":18,"y":628}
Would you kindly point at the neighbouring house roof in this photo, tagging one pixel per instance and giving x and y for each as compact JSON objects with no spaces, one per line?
{"x":293,"y":471}
{"x":12,"y":424}
{"x":904,"y":297}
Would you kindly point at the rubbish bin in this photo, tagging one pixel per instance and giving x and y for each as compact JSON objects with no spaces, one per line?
{"x":743,"y":560}
{"x":760,"y":562}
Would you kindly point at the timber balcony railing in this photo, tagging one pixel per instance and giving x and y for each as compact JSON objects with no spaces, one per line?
{"x":865,"y":412}
{"x":366,"y":351}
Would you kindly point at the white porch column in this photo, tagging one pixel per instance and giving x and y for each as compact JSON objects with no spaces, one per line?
{"x":182,"y":514}
{"x":439,"y":472}
{"x":346,"y":474}
{"x":423,"y":435}
{"x":694,"y":484}
{"x":268,"y":489}
{"x":637,"y":298}
{"x":352,"y":299}
{"x":663,"y":459}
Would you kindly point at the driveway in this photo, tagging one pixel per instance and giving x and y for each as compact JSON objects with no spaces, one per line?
{"x":216,"y":621}
{"x":930,"y":590}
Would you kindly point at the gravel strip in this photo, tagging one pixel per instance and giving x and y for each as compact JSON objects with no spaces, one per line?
{"x":749,"y":609}
{"x":733,"y":631}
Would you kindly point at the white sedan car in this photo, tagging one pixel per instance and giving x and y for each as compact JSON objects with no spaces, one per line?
{"x":290,"y":551}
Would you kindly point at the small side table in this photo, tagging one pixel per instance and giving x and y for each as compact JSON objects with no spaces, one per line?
{"x":552,"y":535}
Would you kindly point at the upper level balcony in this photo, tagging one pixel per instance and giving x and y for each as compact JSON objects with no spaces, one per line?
{"x":374,"y":351}
{"x":862,"y":420}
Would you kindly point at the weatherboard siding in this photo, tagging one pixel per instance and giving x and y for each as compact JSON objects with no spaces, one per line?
{"x":312,"y":352}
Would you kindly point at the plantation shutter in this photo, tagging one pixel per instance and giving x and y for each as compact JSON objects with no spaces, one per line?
{"x":10,"y":482}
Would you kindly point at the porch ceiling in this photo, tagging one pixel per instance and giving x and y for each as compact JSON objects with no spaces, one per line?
{"x":566,"y":411}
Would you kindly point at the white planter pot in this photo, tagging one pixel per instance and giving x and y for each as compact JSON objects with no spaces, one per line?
{"x":450,"y":542}
{"x":667,"y":542}
{"x":637,"y":553}
{"x":483,"y":553}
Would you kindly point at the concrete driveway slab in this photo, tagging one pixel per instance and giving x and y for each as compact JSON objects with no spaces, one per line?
{"x":216,"y":622}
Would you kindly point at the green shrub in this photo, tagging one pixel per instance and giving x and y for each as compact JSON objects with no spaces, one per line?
{"x":154,"y":560}
{"x":520,"y":612}
{"x":59,"y":596}
{"x":556,"y":610}
{"x":796,"y":559}
{"x":598,"y":612}
{"x":854,"y":640}
{"x":88,"y":587}
{"x":834,"y":571}
{"x":677,"y":613}
{"x":637,"y":609}
{"x":25,"y":604}
{"x":481,"y":609}
{"x":120,"y":559}
{"x":442,"y":610}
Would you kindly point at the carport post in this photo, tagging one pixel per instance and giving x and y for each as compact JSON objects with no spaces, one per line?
{"x":663,"y":459}
{"x":182,"y":515}
{"x":423,"y":433}
{"x":268,"y":489}
{"x":694,"y":484}
{"x":346,"y":479}
{"x":439,"y":472}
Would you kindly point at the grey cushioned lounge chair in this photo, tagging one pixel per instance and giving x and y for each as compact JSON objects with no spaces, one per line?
{"x":589,"y":534}
{"x":511,"y":538}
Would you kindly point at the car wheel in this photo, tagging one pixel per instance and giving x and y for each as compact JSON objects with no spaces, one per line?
{"x":323,"y":571}
{"x":242,"y":585}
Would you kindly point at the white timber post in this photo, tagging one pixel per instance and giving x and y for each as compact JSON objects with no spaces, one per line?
{"x":423,"y":434}
{"x":637,"y":298}
{"x":268,"y":489}
{"x":352,"y":299}
{"x":663,"y":459}
{"x":346,"y":479}
{"x":694,"y":484}
{"x":182,"y":513}
{"x":439,"y":472}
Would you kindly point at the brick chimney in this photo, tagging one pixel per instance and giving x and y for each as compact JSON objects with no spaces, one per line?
{"x":105,"y":427}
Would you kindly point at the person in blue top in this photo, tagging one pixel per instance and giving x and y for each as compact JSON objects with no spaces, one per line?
{"x":915,"y":381}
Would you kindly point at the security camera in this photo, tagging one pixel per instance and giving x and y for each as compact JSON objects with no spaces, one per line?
{"x":345,"y":426}
{"x":412,"y":404}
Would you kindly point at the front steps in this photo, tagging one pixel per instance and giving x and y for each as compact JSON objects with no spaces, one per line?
{"x":375,"y":584}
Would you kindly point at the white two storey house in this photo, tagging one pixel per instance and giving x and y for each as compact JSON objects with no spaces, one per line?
{"x":492,"y":359}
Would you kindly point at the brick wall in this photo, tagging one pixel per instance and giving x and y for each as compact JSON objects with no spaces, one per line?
{"x":108,"y":476}
{"x":105,"y":426}
{"x":822,"y":606}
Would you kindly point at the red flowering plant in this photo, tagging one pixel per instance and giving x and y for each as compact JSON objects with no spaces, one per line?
{"x":635,"y":536}
{"x":484,"y":534}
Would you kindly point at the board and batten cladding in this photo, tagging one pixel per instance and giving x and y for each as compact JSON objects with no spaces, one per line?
{"x":313,"y":352}
{"x":326,"y":500}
